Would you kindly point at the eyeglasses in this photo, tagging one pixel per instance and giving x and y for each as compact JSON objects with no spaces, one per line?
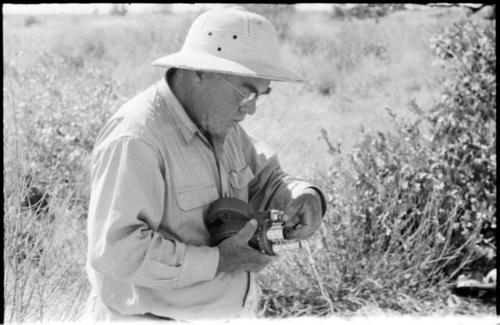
{"x":247,"y":98}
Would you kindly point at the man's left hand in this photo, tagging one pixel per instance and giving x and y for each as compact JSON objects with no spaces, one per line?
{"x":304,"y":215}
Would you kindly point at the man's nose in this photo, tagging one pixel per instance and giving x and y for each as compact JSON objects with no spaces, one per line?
{"x":249,"y":108}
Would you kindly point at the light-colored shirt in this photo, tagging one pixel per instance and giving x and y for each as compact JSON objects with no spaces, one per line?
{"x":153,"y":176}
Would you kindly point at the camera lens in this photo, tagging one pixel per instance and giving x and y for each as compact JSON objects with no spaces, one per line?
{"x":275,"y":232}
{"x":286,"y":245}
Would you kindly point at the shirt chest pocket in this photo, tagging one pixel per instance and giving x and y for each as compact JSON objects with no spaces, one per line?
{"x":238,"y":179}
{"x":196,"y":196}
{"x":193,"y":202}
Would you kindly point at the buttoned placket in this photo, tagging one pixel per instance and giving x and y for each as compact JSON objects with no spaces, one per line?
{"x":219,"y":158}
{"x":217,"y":150}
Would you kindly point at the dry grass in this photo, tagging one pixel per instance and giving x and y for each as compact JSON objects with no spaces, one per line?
{"x":55,"y":102}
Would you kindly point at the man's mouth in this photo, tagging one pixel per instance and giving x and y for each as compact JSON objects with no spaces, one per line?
{"x":238,"y":120}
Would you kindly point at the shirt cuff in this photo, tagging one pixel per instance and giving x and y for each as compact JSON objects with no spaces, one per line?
{"x":323,"y":200}
{"x":299,"y":187}
{"x":200,"y":264}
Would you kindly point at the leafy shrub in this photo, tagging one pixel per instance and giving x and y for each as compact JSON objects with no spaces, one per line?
{"x":57,"y":108}
{"x":278,"y":14}
{"x":364,"y":10}
{"x":464,"y":128}
{"x":79,"y":98}
{"x":407,"y":209}
{"x":426,"y":197}
{"x":446,"y":177}
{"x":339,"y":13}
{"x":118,"y":9}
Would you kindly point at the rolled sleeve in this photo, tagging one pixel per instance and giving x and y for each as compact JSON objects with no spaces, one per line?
{"x":126,"y":207}
{"x":298,"y":187}
{"x":272,"y":188}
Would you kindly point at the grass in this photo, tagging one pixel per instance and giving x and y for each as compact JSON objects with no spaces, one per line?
{"x":355,"y":69}
{"x":64,"y":76}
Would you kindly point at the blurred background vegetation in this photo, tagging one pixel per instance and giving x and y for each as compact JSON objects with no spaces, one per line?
{"x":400,"y":133}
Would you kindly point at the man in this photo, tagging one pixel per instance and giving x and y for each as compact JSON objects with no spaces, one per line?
{"x":170,"y":152}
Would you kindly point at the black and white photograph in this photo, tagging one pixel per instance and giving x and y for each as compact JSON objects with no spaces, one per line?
{"x":227,"y":163}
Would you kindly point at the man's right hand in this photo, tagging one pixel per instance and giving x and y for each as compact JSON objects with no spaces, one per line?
{"x":235,"y":255}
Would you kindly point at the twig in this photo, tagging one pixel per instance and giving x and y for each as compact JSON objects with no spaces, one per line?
{"x":331,"y":148}
{"x":324,"y":293}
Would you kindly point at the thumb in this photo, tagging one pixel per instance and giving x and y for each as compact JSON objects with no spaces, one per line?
{"x":244,"y":235}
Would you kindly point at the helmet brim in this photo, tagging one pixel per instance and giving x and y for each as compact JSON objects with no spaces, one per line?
{"x":208,"y":62}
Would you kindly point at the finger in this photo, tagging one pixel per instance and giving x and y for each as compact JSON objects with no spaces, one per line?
{"x":305,"y":230}
{"x":263,"y":262}
{"x":298,"y":220}
{"x":301,"y":232}
{"x":257,"y":256}
{"x":259,"y":268}
{"x":292,"y":211}
{"x":244,"y":235}
{"x":306,"y":214}
{"x":286,"y":218}
{"x":293,"y":221}
{"x":272,"y":259}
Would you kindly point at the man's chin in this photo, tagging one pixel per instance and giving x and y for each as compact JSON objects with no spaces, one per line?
{"x":221,"y":134}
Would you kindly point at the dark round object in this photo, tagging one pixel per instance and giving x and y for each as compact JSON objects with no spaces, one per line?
{"x":226,"y":217}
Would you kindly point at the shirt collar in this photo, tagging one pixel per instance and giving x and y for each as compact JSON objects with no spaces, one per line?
{"x":183,"y":122}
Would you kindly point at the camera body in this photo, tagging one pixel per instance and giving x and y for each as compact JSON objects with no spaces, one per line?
{"x":227,"y":216}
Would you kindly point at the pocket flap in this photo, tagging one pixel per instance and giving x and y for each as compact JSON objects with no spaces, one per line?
{"x":239,"y":179}
{"x":193,"y":197}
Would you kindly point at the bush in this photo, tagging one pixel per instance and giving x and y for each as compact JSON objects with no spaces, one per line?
{"x":58,"y":107}
{"x":443,"y":182}
{"x":431,"y":197}
{"x":363,"y":11}
{"x":278,"y":14}
{"x":118,"y":9}
{"x":464,"y":129}
{"x":80,"y":98}
{"x":408,"y":210}
{"x":338,"y":12}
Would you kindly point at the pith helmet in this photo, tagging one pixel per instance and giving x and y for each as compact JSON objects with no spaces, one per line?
{"x":231,"y":41}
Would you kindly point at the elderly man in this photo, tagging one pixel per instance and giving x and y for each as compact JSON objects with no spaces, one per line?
{"x":165,"y":156}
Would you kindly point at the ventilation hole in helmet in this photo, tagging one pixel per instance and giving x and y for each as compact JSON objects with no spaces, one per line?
{"x":219,"y":49}
{"x":210,"y":34}
{"x":235,"y":37}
